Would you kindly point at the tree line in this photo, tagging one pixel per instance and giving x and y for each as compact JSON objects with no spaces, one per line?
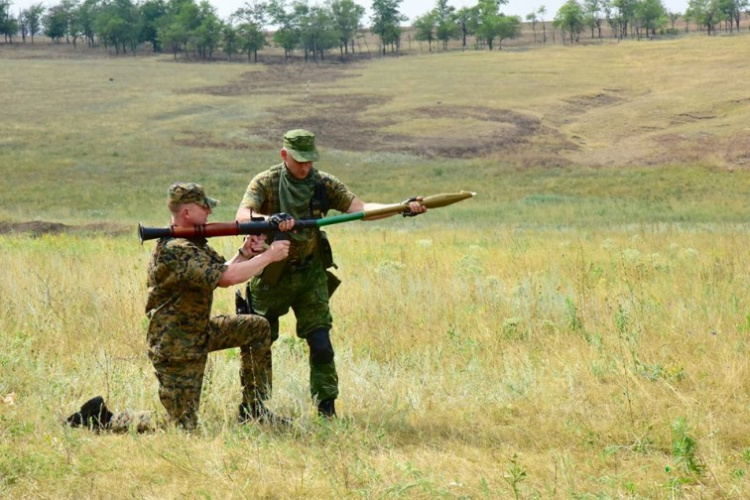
{"x":193,"y":28}
{"x":643,"y":18}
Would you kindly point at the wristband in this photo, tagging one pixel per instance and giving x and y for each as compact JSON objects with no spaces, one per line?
{"x":243,"y":254}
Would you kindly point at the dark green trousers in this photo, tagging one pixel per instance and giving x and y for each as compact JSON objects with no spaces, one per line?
{"x":304,"y":290}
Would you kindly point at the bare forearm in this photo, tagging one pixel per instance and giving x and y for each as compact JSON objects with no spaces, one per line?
{"x":358,"y":205}
{"x":239,"y":271}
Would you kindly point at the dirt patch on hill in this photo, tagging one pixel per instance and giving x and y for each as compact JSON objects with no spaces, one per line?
{"x":351,"y":122}
{"x":483,"y":131}
{"x":275,"y":77}
{"x":40,"y":228}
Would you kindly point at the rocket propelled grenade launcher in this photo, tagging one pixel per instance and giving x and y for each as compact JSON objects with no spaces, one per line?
{"x":261,"y":227}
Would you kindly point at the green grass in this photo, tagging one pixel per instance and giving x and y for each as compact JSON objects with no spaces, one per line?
{"x":467,"y":356}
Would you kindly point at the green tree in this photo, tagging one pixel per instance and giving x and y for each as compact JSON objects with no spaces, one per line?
{"x":593,"y":15}
{"x":253,"y":18}
{"x":230,"y":40}
{"x":173,"y":35}
{"x":317,"y":32}
{"x":386,"y":18}
{"x":205,"y":38}
{"x":8,"y":24}
{"x":117,"y":24}
{"x":179,"y":26}
{"x":85,"y":17}
{"x":56,"y":23}
{"x":705,"y":13}
{"x":32,"y":19}
{"x":347,"y":19}
{"x":731,"y":11}
{"x":570,"y":20}
{"x":424,"y":27}
{"x":625,"y":15}
{"x":508,"y":28}
{"x":152,"y":13}
{"x":287,"y":35}
{"x":60,"y":21}
{"x":651,"y":15}
{"x":447,"y":26}
{"x":73,"y":29}
{"x":493,"y":24}
{"x":251,"y":38}
{"x":466,"y":17}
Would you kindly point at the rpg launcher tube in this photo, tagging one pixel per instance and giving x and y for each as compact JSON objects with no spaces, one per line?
{"x":215,"y":229}
{"x":262,"y":227}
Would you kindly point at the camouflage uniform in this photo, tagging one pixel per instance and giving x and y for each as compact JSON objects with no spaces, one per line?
{"x":302,"y":286}
{"x":182,"y":276}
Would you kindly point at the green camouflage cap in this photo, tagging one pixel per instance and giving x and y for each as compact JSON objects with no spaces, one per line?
{"x":182,"y":193}
{"x":301,"y":145}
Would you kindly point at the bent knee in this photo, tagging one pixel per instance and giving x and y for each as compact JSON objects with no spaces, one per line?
{"x":256,"y":328}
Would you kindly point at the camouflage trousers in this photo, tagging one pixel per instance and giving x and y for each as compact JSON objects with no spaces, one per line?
{"x":305,"y":291}
{"x":138,"y":421}
{"x":181,"y":380}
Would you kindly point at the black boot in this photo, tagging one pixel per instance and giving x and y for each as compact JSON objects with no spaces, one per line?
{"x":93,"y":414}
{"x":327,"y":408}
{"x":258,"y":413}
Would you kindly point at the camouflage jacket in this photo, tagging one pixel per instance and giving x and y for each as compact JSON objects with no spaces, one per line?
{"x":182,"y":276}
{"x":262,"y":197}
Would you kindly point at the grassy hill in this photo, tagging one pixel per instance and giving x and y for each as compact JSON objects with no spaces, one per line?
{"x":85,"y":128}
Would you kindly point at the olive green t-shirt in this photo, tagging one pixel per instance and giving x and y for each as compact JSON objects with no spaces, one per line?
{"x":262,"y":196}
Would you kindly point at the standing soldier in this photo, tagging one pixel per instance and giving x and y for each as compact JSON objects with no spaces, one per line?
{"x":291,"y":190}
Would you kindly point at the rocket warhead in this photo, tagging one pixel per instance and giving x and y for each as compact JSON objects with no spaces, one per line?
{"x":444,"y":199}
{"x":433,"y":201}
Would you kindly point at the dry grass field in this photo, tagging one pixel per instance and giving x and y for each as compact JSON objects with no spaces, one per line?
{"x":578,"y":330}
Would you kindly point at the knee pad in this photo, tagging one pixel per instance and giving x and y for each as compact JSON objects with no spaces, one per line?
{"x":321,"y":350}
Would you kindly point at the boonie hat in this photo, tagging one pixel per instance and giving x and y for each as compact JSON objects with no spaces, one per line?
{"x":182,"y":193}
{"x":301,"y":145}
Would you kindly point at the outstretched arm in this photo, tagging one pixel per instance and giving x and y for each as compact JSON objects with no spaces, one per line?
{"x":358,"y":205}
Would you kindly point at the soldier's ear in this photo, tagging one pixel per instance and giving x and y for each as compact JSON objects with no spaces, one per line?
{"x":185,"y":213}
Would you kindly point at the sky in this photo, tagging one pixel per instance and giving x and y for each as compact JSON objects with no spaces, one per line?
{"x":410,"y":8}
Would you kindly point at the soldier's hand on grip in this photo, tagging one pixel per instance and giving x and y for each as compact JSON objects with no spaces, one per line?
{"x":283,"y":221}
{"x":254,"y":244}
{"x":415,"y":207}
{"x":279,"y":250}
